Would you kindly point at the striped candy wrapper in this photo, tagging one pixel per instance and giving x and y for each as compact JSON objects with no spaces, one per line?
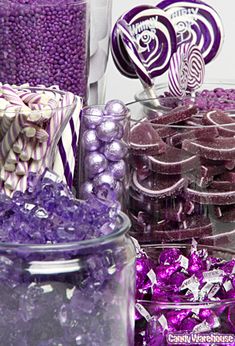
{"x":64,"y":163}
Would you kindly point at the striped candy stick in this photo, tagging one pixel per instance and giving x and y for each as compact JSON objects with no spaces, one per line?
{"x":12,"y":181}
{"x":11,"y":136}
{"x":22,"y":168}
{"x":39,"y":151}
{"x":22,"y":184}
{"x":19,"y":144}
{"x":29,"y":97}
{"x":12,"y":157}
{"x":10,"y":95}
{"x":26,"y":153}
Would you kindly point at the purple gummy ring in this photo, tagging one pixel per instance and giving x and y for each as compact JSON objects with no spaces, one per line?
{"x":131,"y":48}
{"x":198,"y":23}
{"x":155,"y":37}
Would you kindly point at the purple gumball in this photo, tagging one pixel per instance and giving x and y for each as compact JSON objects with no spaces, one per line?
{"x":107,"y":131}
{"x":95,"y":163}
{"x":115,"y":151}
{"x":92,"y":117}
{"x":90,"y":140}
{"x":118,"y":169}
{"x":115,"y":108}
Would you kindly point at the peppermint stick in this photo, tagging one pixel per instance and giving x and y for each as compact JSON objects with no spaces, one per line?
{"x":41,"y":135}
{"x":39,"y":151}
{"x":26,"y":153}
{"x":22,"y":168}
{"x":12,"y":158}
{"x":3,"y":174}
{"x":22,"y":184}
{"x":11,"y":136}
{"x":29,"y":131}
{"x":29,"y":97}
{"x":10,"y":95}
{"x":9,"y":167}
{"x":18,"y":146}
{"x":11,"y":182}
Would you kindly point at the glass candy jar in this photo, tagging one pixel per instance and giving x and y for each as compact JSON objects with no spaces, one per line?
{"x":182,"y":172}
{"x":69,"y":294}
{"x":176,"y":320}
{"x":45,"y":42}
{"x":104,"y":147}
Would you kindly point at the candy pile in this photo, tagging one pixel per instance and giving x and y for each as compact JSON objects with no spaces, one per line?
{"x":48,"y":213}
{"x":183,"y":290}
{"x":55,"y":51}
{"x":103,"y":133}
{"x":63,"y":294}
{"x":31,"y":124}
{"x":182,"y":174}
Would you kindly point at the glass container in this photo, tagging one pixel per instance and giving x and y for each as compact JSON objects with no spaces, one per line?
{"x":45,"y":43}
{"x":104,"y":155}
{"x":160,"y":329}
{"x":182,"y":172}
{"x":69,"y":294}
{"x":101,"y":19}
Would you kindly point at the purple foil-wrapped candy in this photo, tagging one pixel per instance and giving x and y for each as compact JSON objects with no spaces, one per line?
{"x":90,"y":140}
{"x":92,"y":117}
{"x":107,"y":131}
{"x":95,"y":163}
{"x":115,"y":151}
{"x":115,"y":108}
{"x":169,"y":256}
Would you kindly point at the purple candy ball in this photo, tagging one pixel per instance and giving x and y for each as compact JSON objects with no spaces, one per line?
{"x":95,"y":163}
{"x":118,"y":169}
{"x":90,"y":141}
{"x":92,"y":117}
{"x":86,"y":190}
{"x":115,"y":107}
{"x":115,"y":151}
{"x":107,"y":131}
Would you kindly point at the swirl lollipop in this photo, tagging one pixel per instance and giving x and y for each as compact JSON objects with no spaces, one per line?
{"x":187,"y":70}
{"x":155,"y":38}
{"x":131,"y":48}
{"x":197,"y":23}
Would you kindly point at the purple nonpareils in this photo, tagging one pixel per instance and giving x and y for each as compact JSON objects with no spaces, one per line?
{"x":198,"y":23}
{"x":44,"y":43}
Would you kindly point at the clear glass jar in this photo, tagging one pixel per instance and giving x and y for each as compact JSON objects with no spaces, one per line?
{"x":101,"y":20}
{"x":221,"y":311}
{"x":103,"y":155}
{"x":182,"y":172}
{"x":210,"y":85}
{"x":32,"y":139}
{"x":45,"y":43}
{"x":69,"y":294}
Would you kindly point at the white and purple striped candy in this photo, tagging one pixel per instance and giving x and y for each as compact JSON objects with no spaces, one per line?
{"x":187,"y":70}
{"x":131,"y":48}
{"x":155,"y":37}
{"x":197,"y":23}
{"x":178,"y":73}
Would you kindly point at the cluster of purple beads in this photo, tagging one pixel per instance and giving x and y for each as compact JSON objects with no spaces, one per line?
{"x":206,"y":100}
{"x":104,"y":150}
{"x":69,"y":296}
{"x":44,"y":43}
{"x":173,"y":276}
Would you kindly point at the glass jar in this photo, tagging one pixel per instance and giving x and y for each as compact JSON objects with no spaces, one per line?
{"x":45,"y":43}
{"x":101,"y":20}
{"x":182,"y":172}
{"x":69,"y":294}
{"x":103,"y":155}
{"x":38,"y":135}
{"x":160,"y":313}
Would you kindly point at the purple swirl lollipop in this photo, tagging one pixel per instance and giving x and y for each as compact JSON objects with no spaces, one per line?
{"x":187,"y":70}
{"x":155,"y":37}
{"x":197,"y":23}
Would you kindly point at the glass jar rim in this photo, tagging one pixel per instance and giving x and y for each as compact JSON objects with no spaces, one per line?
{"x":119,"y":231}
{"x":213,"y":81}
{"x":127,"y":115}
{"x":189,"y":305}
{"x":176,"y":126}
{"x":41,"y":111}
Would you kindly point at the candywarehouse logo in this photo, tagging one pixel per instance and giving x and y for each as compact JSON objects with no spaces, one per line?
{"x":148,"y":24}
{"x":213,"y":338}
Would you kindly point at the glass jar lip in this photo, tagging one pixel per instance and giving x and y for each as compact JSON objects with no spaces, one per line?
{"x":55,"y":91}
{"x":120,"y":231}
{"x":212,"y":81}
{"x":47,"y":3}
{"x":151,"y":111}
{"x":127,"y":115}
{"x":188,"y":305}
